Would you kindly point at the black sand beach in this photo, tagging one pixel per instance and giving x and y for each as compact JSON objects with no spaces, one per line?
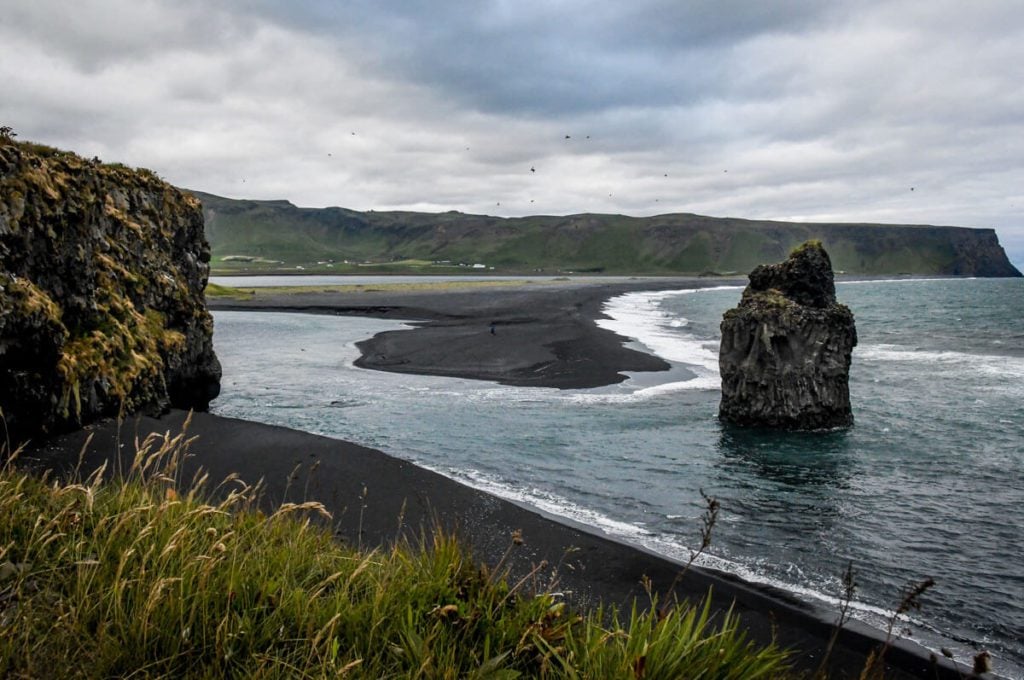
{"x":544,"y":333}
{"x":543,"y":336}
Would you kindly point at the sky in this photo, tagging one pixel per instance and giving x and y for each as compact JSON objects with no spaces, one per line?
{"x":896,"y":111}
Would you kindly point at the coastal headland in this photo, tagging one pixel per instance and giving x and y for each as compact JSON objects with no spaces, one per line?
{"x":278,"y":236}
{"x":545,"y":334}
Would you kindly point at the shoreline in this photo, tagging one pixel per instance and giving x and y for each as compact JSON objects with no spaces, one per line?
{"x":376,"y":498}
{"x":527,"y":335}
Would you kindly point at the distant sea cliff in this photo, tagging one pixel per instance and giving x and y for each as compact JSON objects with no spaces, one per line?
{"x":277,"y":233}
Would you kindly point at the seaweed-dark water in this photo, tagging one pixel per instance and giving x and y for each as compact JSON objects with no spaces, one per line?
{"x":929,"y":481}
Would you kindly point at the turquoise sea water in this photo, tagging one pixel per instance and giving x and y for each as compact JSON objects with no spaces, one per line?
{"x":929,"y":481}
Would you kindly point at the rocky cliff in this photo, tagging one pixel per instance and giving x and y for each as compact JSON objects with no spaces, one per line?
{"x":102,"y":270}
{"x":785,"y":352}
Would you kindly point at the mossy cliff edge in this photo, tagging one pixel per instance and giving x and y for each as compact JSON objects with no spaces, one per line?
{"x":102,"y":270}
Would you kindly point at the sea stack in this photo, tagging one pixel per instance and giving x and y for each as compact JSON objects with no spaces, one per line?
{"x":785,"y":353}
{"x":102,"y":312}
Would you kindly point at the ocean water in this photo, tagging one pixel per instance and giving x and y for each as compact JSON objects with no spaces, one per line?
{"x":928,"y":483}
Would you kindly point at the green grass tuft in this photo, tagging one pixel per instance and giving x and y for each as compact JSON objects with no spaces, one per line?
{"x":144,"y":576}
{"x":215,"y":290}
{"x":809,"y":244}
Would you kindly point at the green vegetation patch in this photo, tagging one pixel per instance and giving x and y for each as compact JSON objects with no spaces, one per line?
{"x":124,"y":353}
{"x":26,"y":299}
{"x":810,"y":244}
{"x":215,"y":290}
{"x":141,"y":578}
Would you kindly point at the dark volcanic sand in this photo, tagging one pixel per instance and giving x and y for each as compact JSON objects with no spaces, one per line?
{"x":544,"y":334}
{"x":401,"y":499}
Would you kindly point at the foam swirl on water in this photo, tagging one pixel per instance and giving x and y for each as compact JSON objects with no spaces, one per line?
{"x":641,"y":318}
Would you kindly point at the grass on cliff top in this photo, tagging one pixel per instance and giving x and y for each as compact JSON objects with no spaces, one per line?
{"x":144,"y":576}
{"x":7,"y":136}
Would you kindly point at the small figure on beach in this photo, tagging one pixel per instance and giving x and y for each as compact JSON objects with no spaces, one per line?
{"x":493,"y":329}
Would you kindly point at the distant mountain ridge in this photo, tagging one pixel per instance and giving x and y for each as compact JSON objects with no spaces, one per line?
{"x":679,"y":243}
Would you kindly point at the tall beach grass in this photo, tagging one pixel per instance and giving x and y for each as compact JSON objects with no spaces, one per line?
{"x":144,"y":574}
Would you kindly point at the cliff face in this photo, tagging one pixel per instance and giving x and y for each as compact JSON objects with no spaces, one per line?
{"x":102,"y":271}
{"x":979,"y":254}
{"x":785,"y":352}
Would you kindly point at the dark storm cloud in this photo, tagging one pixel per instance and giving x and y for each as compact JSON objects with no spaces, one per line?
{"x":556,"y":58}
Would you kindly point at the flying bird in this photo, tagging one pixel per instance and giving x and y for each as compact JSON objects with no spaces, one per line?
{"x":533,"y":169}
{"x":568,"y":137}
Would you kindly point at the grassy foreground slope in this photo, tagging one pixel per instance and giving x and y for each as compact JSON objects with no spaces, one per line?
{"x":139,"y":578}
{"x":257,"y":235}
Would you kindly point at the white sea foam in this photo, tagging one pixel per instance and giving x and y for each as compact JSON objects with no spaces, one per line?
{"x":545,"y":501}
{"x":560,"y":507}
{"x":641,"y":317}
{"x":984,"y":364}
{"x":629,"y":394}
{"x":905,"y":280}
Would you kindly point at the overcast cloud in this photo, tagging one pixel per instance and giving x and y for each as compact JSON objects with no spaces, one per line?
{"x":882,"y":111}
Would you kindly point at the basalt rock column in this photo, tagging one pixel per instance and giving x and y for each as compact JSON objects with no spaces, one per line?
{"x":785,"y":353}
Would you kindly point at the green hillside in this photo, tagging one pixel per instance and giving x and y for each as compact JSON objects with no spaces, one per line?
{"x":276,"y":235}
